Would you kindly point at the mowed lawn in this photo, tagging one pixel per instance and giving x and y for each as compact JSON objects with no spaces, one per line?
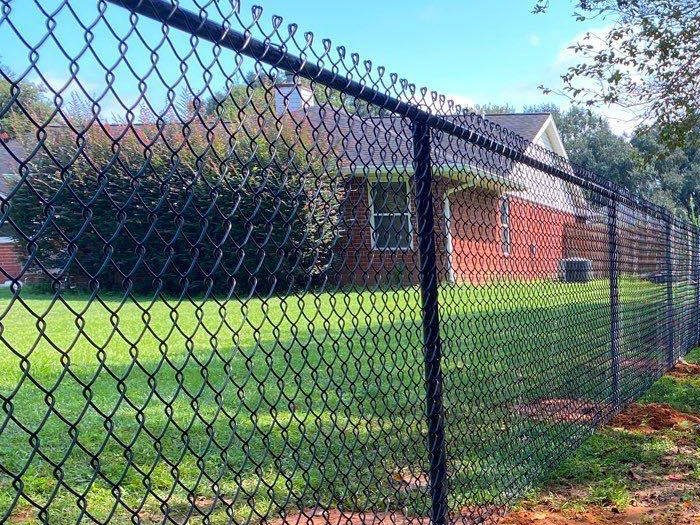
{"x":251,"y":407}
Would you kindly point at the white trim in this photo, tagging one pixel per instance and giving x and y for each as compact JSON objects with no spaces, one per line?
{"x":447,"y":212}
{"x":504,"y":223}
{"x":389,"y":177}
{"x":550,"y":128}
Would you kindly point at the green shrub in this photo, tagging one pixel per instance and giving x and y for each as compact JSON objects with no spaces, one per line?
{"x":178,"y":209}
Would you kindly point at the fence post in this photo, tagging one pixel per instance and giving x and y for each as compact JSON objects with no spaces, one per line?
{"x":670,"y":358}
{"x":614,"y":301}
{"x":696,"y":278}
{"x":431,"y":326}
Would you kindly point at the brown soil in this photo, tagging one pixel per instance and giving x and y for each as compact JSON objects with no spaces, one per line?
{"x":652,"y":417}
{"x":684,"y":370}
{"x":336,"y":517}
{"x":658,"y":498}
{"x":671,"y":514}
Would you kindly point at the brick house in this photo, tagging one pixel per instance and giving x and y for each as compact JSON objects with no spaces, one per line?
{"x":493,"y":218}
{"x":10,"y":251}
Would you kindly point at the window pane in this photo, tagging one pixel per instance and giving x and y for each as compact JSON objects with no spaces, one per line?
{"x":505,"y":211}
{"x":390,"y":196}
{"x":505,"y":239}
{"x":392,"y":231}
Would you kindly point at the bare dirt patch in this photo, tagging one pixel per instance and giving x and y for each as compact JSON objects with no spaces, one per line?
{"x":652,"y":417}
{"x":22,"y":516}
{"x":406,"y":480}
{"x":337,"y":517}
{"x":684,"y":370}
{"x":666,"y":493}
{"x":671,"y":514}
{"x":468,"y":516}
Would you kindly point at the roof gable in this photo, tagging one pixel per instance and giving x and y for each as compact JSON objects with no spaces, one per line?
{"x":528,"y":125}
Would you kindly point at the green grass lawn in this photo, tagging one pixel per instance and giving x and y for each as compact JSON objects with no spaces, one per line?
{"x":618,"y":469}
{"x":316,"y":399}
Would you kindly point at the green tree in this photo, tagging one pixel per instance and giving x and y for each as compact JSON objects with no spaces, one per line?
{"x":164,"y":209}
{"x":671,"y":175}
{"x":591,"y":143}
{"x":21,"y":102}
{"x":647,"y":62}
{"x":493,"y":108}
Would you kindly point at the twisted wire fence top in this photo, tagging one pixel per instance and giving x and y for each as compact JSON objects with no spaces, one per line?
{"x":252,"y":278}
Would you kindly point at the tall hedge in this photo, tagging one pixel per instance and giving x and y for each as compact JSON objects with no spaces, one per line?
{"x":179,"y":209}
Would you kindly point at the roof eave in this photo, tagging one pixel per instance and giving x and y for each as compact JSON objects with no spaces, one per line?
{"x":470,"y":176}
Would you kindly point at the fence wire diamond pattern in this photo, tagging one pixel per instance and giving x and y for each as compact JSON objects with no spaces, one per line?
{"x":252,"y":278}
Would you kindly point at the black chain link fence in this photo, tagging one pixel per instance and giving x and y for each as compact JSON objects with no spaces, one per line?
{"x":252,"y":278}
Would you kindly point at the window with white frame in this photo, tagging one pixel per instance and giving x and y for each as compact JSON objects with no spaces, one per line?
{"x":6,"y":230}
{"x":505,"y":224}
{"x":391,"y":214}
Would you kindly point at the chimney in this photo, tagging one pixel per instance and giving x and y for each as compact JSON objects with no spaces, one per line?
{"x":292,"y":98}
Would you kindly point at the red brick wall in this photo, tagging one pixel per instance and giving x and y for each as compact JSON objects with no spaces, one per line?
{"x":640,"y":248}
{"x":536,"y":233}
{"x":537,"y":240}
{"x":361,"y":265}
{"x":9,"y":260}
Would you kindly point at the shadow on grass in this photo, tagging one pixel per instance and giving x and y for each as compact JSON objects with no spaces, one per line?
{"x":335,"y":422}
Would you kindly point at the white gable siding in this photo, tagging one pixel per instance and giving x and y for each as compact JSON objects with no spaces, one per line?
{"x":292,"y":98}
{"x":543,"y":188}
{"x":545,"y":142}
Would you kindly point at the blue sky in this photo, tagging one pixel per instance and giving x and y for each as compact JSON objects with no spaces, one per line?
{"x":472,"y":50}
{"x":494,"y":51}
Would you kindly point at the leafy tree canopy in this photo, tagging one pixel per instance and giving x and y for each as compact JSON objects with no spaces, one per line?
{"x":25,"y":101}
{"x":491,"y":108}
{"x":647,"y":61}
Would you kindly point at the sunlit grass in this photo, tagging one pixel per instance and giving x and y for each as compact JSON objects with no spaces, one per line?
{"x":314,"y":399}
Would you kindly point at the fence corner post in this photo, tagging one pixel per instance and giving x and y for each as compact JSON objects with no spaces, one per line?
{"x":425,"y":219}
{"x":670,"y":357}
{"x":614,"y":276}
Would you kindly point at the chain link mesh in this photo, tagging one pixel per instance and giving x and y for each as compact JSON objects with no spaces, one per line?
{"x":255,"y":279}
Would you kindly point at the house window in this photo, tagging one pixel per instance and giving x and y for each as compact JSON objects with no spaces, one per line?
{"x":391,"y":216}
{"x":505,"y":225}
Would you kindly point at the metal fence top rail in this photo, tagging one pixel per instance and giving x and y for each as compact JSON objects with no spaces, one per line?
{"x":171,"y":14}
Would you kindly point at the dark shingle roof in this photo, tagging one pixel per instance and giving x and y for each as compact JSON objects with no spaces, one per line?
{"x":364,"y":144}
{"x":527,"y":125}
{"x":385,"y":142}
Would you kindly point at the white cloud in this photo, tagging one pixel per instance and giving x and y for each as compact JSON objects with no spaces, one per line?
{"x":622,"y":120}
{"x":567,"y":56}
{"x":534,"y":39}
{"x":66,"y":85}
{"x":461,"y":100}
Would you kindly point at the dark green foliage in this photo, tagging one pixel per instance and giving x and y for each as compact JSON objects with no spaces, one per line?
{"x":153,"y":213}
{"x":644,"y":164}
{"x":20,"y":102}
